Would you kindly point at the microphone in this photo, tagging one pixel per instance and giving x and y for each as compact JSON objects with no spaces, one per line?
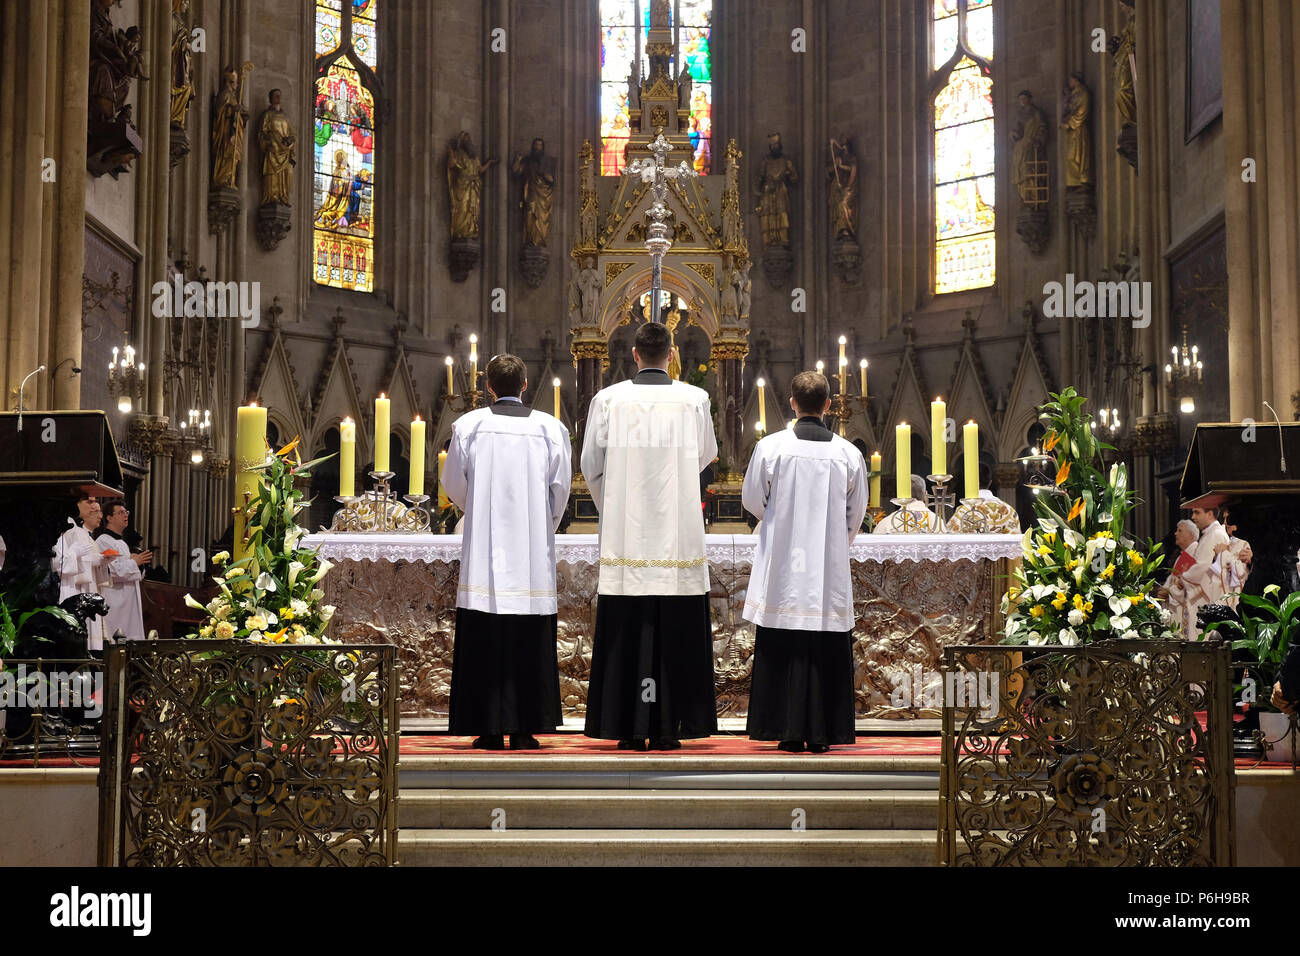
{"x":20,"y":394}
{"x":1281,"y":449}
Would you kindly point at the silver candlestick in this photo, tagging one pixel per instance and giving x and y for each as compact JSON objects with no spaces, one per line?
{"x":940,"y":499}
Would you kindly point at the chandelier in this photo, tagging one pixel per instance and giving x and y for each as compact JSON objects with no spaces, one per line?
{"x":1183,"y":375}
{"x":125,"y":379}
{"x":196,"y":434}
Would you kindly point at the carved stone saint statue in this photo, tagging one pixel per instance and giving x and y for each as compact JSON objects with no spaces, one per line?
{"x":279,"y":145}
{"x":1078,"y":136}
{"x":842,"y":196}
{"x":1123,"y":50}
{"x":115,"y":60}
{"x":590,"y":285}
{"x":229,"y":122}
{"x":1029,"y":136}
{"x":182,"y":75}
{"x":465,"y":184}
{"x":775,"y":175}
{"x":728,"y":303}
{"x":685,"y":83}
{"x":743,"y":288}
{"x":538,"y":173}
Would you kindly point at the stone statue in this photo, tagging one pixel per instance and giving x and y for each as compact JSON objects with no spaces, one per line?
{"x":1078,"y":138}
{"x":843,"y":190}
{"x":634,"y":87}
{"x":590,"y":285}
{"x":685,"y":83}
{"x":115,"y":60}
{"x":1029,"y":136}
{"x":229,"y":121}
{"x":538,"y":173}
{"x":279,"y":145}
{"x":182,"y":75}
{"x":775,"y":175}
{"x":575,"y":296}
{"x":729,"y":302}
{"x":465,"y":184}
{"x":1122,"y":49}
{"x":743,"y":286}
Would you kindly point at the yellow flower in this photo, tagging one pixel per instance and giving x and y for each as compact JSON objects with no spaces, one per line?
{"x":278,"y":636}
{"x":704,"y":368}
{"x":286,"y":614}
{"x":1058,"y":602}
{"x":1134,"y":558}
{"x":1071,"y":564}
{"x":1037,"y":611}
{"x":1102,"y":534}
{"x":205,"y":632}
{"x":221,"y":557}
{"x":256,"y":622}
{"x":1078,"y":602}
{"x":1109,"y":572}
{"x":1050,"y":537}
{"x":224,"y":630}
{"x":1042,"y":551}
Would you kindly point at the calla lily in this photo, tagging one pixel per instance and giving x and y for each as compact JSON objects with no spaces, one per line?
{"x":1033,"y":638}
{"x":295,"y":568}
{"x":1120,"y":623}
{"x":321,"y":571}
{"x":190,"y":602}
{"x":1068,"y":637}
{"x":265,"y":581}
{"x":1119,"y":605}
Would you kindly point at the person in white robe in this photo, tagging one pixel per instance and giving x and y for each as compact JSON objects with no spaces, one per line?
{"x":919,"y":516}
{"x":1235,"y":558}
{"x":120,"y":581}
{"x":1207,"y":573}
{"x":808,"y":487}
{"x":647,"y":440}
{"x":79,"y":564}
{"x":1182,"y":595}
{"x":508,"y":468}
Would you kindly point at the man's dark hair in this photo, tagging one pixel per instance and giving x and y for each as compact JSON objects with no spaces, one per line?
{"x":810,"y":391}
{"x":110,"y":506}
{"x":652,"y":343}
{"x":506,"y":375}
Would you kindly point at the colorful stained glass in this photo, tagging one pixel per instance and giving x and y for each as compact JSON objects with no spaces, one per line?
{"x":979,"y":32}
{"x":329,"y":28}
{"x":344,"y":160}
{"x":964,"y":206}
{"x":695,"y":13}
{"x":693,"y":52}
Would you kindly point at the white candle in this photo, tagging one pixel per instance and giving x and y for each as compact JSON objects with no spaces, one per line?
{"x":473,"y":362}
{"x":873,"y":499}
{"x":451,"y":382}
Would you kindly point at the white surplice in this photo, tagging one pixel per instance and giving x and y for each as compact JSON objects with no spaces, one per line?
{"x":511,"y":477}
{"x":78,"y":563}
{"x":642,"y":456}
{"x":1206,"y":574}
{"x":121,"y":588}
{"x":810,"y":497}
{"x":1235,"y":570}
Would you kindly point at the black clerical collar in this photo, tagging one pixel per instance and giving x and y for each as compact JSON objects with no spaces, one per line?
{"x":652,"y":376}
{"x":811,"y":428}
{"x":510,"y":405}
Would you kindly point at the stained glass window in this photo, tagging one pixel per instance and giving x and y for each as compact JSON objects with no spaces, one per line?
{"x":624,"y":28}
{"x":344,"y":145}
{"x":965,"y":242}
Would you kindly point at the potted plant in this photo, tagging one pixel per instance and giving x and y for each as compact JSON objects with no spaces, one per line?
{"x":1264,"y":632}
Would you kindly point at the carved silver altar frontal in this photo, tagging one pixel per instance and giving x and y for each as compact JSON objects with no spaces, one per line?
{"x":912,"y":599}
{"x":227,"y":753}
{"x":1091,"y":756}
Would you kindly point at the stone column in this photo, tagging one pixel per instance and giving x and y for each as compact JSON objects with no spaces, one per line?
{"x":590,"y":360}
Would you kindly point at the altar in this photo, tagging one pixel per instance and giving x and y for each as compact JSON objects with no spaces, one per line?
{"x":913,"y":595}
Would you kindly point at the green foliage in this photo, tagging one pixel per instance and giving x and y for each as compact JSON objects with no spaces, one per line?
{"x":1268,"y":625}
{"x":1082,"y":577}
{"x":14,"y":620}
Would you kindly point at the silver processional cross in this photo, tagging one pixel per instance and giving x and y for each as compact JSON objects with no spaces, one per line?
{"x":658,"y":236}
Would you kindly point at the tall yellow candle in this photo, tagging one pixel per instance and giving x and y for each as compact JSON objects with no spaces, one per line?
{"x":873,"y":500}
{"x":844,"y":374}
{"x":555,"y":382}
{"x":762,"y":405}
{"x":843,"y":342}
{"x":347,"y":458}
{"x":473,"y":362}
{"x":862,"y":367}
{"x":938,"y":420}
{"x":443,"y":500}
{"x":250,"y":453}
{"x":416,"y":484}
{"x":970,"y":436}
{"x":903,"y":459}
{"x":451,"y":382}
{"x":383,"y":408}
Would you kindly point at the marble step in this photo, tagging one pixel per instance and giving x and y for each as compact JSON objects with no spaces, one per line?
{"x":518,"y":847}
{"x":537,"y":809}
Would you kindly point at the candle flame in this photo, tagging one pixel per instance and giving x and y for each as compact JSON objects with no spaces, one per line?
{"x":473,"y":338}
{"x":347,"y":420}
{"x":252,"y":404}
{"x":449,"y":360}
{"x":555,"y":382}
{"x":382,"y":395}
{"x":760,"y":383}
{"x":417,"y":419}
{"x":862,"y":363}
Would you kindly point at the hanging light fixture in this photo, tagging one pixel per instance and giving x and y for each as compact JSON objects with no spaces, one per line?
{"x":1184,"y":374}
{"x":125,"y":379}
{"x":196,"y":434}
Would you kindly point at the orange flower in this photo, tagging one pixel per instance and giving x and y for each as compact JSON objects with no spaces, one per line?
{"x":283,"y":452}
{"x":1063,"y":473}
{"x":1077,"y":509}
{"x":1050,"y":441}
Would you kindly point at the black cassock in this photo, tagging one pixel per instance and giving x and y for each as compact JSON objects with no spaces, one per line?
{"x":505,"y":679}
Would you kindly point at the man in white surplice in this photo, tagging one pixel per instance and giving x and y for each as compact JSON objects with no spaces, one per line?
{"x":121,"y":580}
{"x":79,"y":564}
{"x":646,"y":443}
{"x":1207,"y":573}
{"x":809,"y":488}
{"x":509,"y":467}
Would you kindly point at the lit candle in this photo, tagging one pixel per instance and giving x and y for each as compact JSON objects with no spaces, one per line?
{"x":451,"y":382}
{"x":762,"y":406}
{"x":382,"y":410}
{"x":903,"y":459}
{"x":862,"y":367}
{"x":347,"y":458}
{"x":939,"y":454}
{"x":970,"y":434}
{"x":844,"y":374}
{"x":555,"y":382}
{"x":417,"y":457}
{"x":843,"y":342}
{"x":873,"y":500}
{"x":821,"y":366}
{"x":443,"y":500}
{"x":473,"y":362}
{"x":250,"y":453}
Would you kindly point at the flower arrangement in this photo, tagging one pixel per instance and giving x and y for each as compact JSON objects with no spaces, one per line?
{"x":1082,"y":578}
{"x":273,"y":596}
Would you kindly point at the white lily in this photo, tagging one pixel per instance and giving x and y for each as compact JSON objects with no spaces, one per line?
{"x":1075,"y":617}
{"x":1120,"y":623}
{"x":295,"y":568}
{"x":265,"y":582}
{"x":1068,"y":637}
{"x":1119,"y":605}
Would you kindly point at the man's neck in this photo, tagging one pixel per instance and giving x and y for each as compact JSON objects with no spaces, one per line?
{"x":652,"y":368}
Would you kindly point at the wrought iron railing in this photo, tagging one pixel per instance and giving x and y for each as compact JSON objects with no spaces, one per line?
{"x":50,"y":710}
{"x":227,"y":753}
{"x":1110,"y":754}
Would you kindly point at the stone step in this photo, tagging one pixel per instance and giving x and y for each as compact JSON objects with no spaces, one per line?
{"x":542,"y":809}
{"x":518,"y":847}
